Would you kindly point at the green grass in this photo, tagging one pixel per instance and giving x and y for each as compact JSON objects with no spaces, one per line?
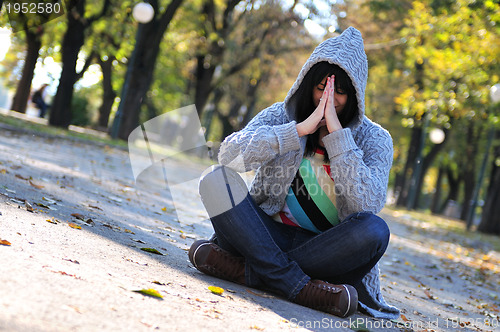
{"x":58,"y":132}
{"x":30,"y":126}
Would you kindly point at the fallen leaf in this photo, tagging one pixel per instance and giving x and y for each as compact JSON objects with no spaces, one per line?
{"x":216,"y":290}
{"x":418,"y":281}
{"x":89,"y":221}
{"x":73,"y":225}
{"x":53,"y":221}
{"x":429,"y":295}
{"x":35,"y":185}
{"x":49,"y":200}
{"x":158,"y":283}
{"x":150,"y":292}
{"x":3,"y":171}
{"x":29,"y":208}
{"x":95,"y":207}
{"x":42,"y":205}
{"x":5,"y":243}
{"x":71,"y":260}
{"x":78,"y":216}
{"x":403,"y":317}
{"x":151,"y":250}
{"x":21,"y":177}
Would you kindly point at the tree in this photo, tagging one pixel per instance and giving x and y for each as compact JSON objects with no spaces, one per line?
{"x":78,"y":22}
{"x":262,"y":49}
{"x":490,"y":222}
{"x":33,"y":26}
{"x":450,"y":76}
{"x":141,"y":68}
{"x":22,"y":95}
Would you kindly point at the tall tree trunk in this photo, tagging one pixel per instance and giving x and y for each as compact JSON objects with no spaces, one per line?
{"x":203,"y":87}
{"x":109,"y":95}
{"x":426,"y":163}
{"x":73,"y":40}
{"x":454,"y":183}
{"x":141,"y":67}
{"x":490,"y":220}
{"x":469,"y":172}
{"x":60,"y":113}
{"x":437,"y":194}
{"x":416,"y":132}
{"x":22,"y":95}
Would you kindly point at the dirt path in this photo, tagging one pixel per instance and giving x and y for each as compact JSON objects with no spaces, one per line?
{"x":77,"y":225}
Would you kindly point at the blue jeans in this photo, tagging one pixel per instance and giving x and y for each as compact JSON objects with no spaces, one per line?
{"x":282,"y":257}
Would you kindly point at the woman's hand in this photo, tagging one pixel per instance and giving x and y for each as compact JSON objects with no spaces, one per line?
{"x":331,"y":118}
{"x":315,"y":120}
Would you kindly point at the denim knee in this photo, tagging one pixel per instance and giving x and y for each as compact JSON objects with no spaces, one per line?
{"x":375,"y":228}
{"x":221,"y":189}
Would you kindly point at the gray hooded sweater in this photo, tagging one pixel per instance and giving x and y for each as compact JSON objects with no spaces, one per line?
{"x":360,"y":154}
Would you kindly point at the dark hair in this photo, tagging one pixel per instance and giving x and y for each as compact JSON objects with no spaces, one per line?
{"x":304,"y":105}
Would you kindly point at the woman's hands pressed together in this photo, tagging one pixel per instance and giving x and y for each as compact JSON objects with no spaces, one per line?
{"x":324,"y":114}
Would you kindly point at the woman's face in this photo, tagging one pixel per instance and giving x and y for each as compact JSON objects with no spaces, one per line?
{"x":340,"y":96}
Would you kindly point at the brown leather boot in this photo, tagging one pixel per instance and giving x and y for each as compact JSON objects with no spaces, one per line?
{"x":211,"y":259}
{"x":338,"y":300}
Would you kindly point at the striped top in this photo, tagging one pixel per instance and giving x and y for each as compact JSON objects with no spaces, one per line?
{"x":310,"y":202}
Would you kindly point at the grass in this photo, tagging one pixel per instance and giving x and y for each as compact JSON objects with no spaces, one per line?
{"x":450,"y":225}
{"x":26,"y":125}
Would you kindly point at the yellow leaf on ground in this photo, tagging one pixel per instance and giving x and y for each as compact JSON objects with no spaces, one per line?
{"x":216,"y":290}
{"x":72,"y":225}
{"x":5,"y":242}
{"x":150,"y":292}
{"x":152,"y":250}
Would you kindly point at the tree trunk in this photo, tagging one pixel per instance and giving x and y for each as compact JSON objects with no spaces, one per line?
{"x":109,"y":95}
{"x":22,"y":95}
{"x":490,"y":220}
{"x":204,"y":75}
{"x":469,"y":172}
{"x":437,"y":194}
{"x":73,"y":40}
{"x":414,"y":147}
{"x":426,"y":163}
{"x":454,"y":183}
{"x":142,"y":67}
{"x":416,"y":132}
{"x":60,"y":113}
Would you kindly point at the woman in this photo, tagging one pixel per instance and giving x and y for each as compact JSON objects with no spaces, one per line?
{"x":307,"y":229}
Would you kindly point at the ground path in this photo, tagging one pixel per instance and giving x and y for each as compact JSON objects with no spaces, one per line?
{"x":76,"y":222}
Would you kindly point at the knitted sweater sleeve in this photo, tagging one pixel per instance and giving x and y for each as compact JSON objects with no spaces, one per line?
{"x":265,"y":137}
{"x":361,"y":173}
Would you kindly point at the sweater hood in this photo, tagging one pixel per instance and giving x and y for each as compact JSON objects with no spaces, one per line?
{"x":346,"y":51}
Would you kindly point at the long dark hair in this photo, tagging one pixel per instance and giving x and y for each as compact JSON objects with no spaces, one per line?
{"x":304,"y":105}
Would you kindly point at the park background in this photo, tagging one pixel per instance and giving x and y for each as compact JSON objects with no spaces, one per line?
{"x":433,"y":70}
{"x":73,"y":218}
